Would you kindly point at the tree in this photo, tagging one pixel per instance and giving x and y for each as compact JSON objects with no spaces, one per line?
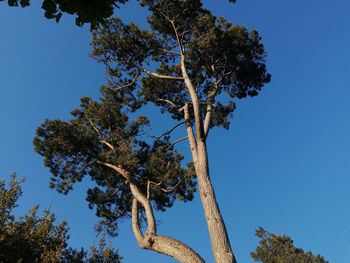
{"x":274,"y":248}
{"x":190,"y":64}
{"x":37,"y":239}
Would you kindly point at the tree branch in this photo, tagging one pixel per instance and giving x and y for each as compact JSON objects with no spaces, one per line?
{"x":110,"y":146}
{"x":209,"y":103}
{"x":151,"y":225}
{"x":135,"y":223}
{"x":169,"y":102}
{"x":130,"y":83}
{"x":207,"y":119}
{"x":190,"y":87}
{"x":95,"y":128}
{"x":151,"y":73}
{"x":169,"y":51}
{"x":160,"y":76}
{"x":162,"y":244}
{"x":175,"y":142}
{"x":150,"y":240}
{"x":171,"y":130}
{"x":190,"y":134}
{"x":177,"y":37}
{"x":167,"y":190}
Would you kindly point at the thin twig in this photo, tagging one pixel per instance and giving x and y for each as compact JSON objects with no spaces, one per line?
{"x":130,"y":83}
{"x":95,"y":128}
{"x":170,"y":189}
{"x":170,"y":131}
{"x":169,"y":51}
{"x":175,"y":142}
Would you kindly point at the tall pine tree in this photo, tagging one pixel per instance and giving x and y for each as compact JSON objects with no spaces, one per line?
{"x":193,"y":66}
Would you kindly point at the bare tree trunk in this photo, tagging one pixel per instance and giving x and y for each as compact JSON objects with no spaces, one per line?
{"x":219,"y":239}
{"x":218,"y":235}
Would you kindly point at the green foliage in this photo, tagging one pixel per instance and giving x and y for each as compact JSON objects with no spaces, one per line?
{"x":31,"y":238}
{"x":280,"y":249}
{"x":102,"y":132}
{"x":93,"y":12}
{"x":97,"y":254}
{"x":224,"y":61}
{"x":102,"y":253}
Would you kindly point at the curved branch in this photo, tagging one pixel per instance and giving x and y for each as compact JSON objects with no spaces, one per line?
{"x":150,"y":240}
{"x":175,"y":142}
{"x":151,"y":224}
{"x":162,"y":244}
{"x":168,"y":101}
{"x":170,"y":131}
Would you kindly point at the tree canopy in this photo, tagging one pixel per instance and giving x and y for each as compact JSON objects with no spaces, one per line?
{"x":31,"y":238}
{"x":221,"y":58}
{"x":274,"y":248}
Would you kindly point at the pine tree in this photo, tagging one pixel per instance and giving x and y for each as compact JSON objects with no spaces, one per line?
{"x":34,"y":238}
{"x":193,"y":66}
{"x":274,"y":248}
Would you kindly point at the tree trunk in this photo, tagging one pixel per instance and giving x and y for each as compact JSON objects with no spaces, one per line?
{"x":219,"y":239}
{"x":218,"y":235}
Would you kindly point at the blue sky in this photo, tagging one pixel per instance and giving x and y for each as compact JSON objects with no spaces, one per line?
{"x":284,"y":163}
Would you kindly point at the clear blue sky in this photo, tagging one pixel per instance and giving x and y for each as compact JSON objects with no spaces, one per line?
{"x":283,"y":165}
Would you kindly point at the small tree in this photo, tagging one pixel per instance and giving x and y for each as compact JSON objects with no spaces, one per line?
{"x":190,"y":64}
{"x":31,"y":238}
{"x":274,"y":248}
